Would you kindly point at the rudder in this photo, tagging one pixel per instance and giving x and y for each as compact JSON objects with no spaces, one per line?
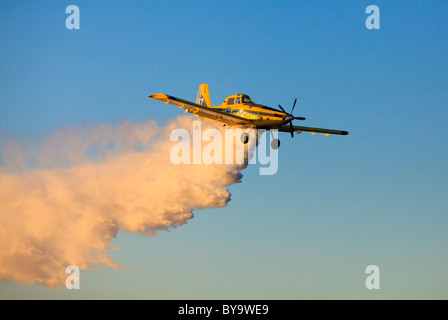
{"x":203,"y":97}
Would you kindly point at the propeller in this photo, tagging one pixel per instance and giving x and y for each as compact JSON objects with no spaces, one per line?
{"x":291,"y":118}
{"x":292,"y":110}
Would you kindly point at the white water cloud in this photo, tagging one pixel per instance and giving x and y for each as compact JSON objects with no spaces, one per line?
{"x":64,"y":200}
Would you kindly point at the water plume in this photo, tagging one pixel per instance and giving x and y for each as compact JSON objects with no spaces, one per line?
{"x":63,"y":200}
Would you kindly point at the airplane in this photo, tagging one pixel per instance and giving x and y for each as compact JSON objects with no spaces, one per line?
{"x":239,"y":110}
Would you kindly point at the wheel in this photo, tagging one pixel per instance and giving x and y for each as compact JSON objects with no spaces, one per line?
{"x":275,"y":144}
{"x":245,"y":137}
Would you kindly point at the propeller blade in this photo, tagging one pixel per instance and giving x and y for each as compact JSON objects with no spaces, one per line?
{"x":292,"y":132}
{"x":299,"y":118}
{"x":282,"y":108}
{"x":293,"y":105}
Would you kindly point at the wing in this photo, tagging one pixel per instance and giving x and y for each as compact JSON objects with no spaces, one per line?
{"x":287,"y":128}
{"x":202,"y":111}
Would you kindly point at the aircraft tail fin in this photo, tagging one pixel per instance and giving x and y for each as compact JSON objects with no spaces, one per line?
{"x":203,"y":97}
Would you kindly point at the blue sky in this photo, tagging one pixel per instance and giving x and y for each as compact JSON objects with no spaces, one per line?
{"x":336,"y":205}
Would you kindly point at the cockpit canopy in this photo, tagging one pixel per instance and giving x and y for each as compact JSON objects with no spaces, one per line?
{"x":238,"y":99}
{"x":246,"y":99}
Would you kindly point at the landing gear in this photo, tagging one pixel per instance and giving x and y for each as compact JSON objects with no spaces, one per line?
{"x":245,"y":137}
{"x":275,"y":144}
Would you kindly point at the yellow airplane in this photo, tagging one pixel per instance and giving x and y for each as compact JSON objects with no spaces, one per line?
{"x":239,"y":110}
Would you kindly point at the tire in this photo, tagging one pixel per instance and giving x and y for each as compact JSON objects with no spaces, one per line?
{"x":245,"y":138}
{"x":275,"y":144}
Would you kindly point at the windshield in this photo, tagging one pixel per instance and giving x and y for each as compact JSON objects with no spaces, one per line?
{"x":246,"y":99}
